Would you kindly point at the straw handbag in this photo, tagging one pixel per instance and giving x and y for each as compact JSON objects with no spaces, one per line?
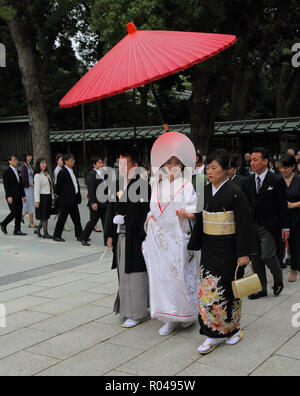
{"x":245,"y":286}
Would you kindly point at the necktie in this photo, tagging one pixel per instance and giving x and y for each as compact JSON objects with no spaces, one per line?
{"x":258,"y":184}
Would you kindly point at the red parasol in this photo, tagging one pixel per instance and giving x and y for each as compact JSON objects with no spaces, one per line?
{"x":142,"y":57}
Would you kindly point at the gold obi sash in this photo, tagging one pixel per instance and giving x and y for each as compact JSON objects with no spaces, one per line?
{"x":220,"y":223}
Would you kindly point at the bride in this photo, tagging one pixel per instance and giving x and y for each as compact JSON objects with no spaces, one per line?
{"x":172,"y":269}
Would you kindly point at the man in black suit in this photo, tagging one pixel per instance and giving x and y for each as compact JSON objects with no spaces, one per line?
{"x":15,"y":196}
{"x":267,"y":196}
{"x":237,"y":179}
{"x":67,"y":190}
{"x":97,"y":209}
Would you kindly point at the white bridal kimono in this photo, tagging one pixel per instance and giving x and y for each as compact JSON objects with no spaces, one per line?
{"x":173,"y":270}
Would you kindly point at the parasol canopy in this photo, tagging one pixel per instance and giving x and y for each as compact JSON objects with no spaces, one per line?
{"x":142,"y":57}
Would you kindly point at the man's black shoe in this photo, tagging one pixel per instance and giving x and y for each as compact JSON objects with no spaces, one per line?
{"x":19,"y":233}
{"x":84,"y":243}
{"x":58,"y":240}
{"x":3,"y":229}
{"x":258,"y":295}
{"x":47,"y":236}
{"x":278,"y":288}
{"x":80,"y":240}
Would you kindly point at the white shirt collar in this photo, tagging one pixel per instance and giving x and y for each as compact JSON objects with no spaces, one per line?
{"x":15,"y":172}
{"x":201,"y":169}
{"x":73,"y":177}
{"x":69,"y":169}
{"x":262,"y":176}
{"x":98,"y":171}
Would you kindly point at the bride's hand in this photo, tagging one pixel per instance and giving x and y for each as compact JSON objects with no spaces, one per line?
{"x":182,"y":214}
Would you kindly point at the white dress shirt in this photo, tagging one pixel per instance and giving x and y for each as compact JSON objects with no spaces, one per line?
{"x":262,"y":177}
{"x":99,"y":173}
{"x":16,"y":173}
{"x":56,"y":172}
{"x":73,"y":179}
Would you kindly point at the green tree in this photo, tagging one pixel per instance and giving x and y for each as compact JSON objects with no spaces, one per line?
{"x":253,"y":78}
{"x":42,"y":33}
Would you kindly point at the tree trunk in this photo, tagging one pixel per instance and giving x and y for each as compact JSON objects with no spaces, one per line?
{"x":287,"y":91}
{"x":36,"y":108}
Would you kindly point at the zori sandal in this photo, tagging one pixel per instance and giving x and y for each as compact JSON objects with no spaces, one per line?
{"x":235,"y":339}
{"x":209,"y":345}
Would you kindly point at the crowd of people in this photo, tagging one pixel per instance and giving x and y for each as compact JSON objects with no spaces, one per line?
{"x":34,"y":192}
{"x":162,"y":241}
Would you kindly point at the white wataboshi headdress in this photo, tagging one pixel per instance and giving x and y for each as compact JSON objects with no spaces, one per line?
{"x":173,"y":144}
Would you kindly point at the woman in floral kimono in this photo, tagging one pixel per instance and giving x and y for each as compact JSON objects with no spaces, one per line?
{"x":227,"y":238}
{"x":172,"y":269}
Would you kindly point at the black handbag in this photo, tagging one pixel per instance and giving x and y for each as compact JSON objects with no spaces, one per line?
{"x":54,"y":209}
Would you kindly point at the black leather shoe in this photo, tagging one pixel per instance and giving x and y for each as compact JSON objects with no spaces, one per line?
{"x":3,"y":229}
{"x":47,"y":236}
{"x":19,"y":233}
{"x":80,"y":240}
{"x":37,"y":232}
{"x":84,"y":243}
{"x":278,"y":288}
{"x":58,"y":240}
{"x":258,"y":295}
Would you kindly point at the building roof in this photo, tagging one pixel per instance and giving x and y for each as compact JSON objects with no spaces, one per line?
{"x":264,"y":126}
{"x":115,"y":134}
{"x":14,"y":120}
{"x":222,"y":129}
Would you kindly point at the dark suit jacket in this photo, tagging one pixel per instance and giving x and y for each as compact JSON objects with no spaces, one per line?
{"x":239,"y":181}
{"x":93,"y":181}
{"x":135,"y":216}
{"x":65,"y":189}
{"x":13,"y":188}
{"x":269,"y":208}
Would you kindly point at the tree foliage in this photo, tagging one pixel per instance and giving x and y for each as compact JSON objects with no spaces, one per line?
{"x":253,"y":79}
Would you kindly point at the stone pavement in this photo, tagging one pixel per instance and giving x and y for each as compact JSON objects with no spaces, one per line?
{"x":59,"y":322}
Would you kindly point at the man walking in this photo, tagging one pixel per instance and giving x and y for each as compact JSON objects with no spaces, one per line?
{"x":267,"y":196}
{"x":97,"y":209}
{"x":15,"y":196}
{"x":124,"y":230}
{"x":67,"y":190}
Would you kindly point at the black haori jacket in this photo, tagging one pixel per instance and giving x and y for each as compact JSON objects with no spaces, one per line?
{"x":135,"y":216}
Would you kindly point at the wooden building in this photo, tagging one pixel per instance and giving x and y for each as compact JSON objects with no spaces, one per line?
{"x":109,"y":142}
{"x":277,"y":135}
{"x":15,"y":136}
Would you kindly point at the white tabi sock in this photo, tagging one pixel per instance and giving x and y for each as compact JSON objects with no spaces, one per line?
{"x":167,"y":329}
{"x":234,"y":339}
{"x":131,"y":323}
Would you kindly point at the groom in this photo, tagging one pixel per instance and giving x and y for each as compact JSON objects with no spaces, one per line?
{"x":125,"y":234}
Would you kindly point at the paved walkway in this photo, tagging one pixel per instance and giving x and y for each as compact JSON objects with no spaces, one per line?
{"x":59,"y":322}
